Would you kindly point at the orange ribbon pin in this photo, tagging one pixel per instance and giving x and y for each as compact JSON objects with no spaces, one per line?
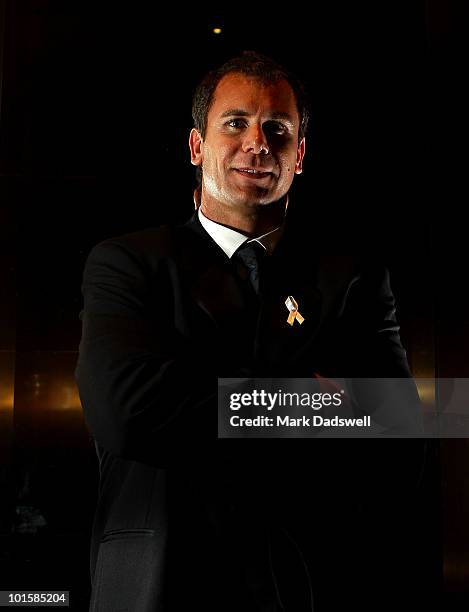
{"x":292,"y":306}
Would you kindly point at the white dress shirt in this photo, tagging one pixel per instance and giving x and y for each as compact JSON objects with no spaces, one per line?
{"x":229,"y":240}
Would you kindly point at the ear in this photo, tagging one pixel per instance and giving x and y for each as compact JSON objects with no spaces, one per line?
{"x":300,"y":153}
{"x":195,"y":145}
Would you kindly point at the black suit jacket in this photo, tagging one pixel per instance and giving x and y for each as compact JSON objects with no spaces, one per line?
{"x":184,"y":519}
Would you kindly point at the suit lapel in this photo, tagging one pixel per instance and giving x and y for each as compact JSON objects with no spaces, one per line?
{"x":208,"y":273}
{"x":288,"y":275}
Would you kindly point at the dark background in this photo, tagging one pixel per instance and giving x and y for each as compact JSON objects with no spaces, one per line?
{"x":94,"y":121}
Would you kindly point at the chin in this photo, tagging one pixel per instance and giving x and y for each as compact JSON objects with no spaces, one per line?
{"x":254,"y":198}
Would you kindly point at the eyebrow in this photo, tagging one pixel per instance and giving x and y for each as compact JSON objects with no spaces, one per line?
{"x":238,"y":112}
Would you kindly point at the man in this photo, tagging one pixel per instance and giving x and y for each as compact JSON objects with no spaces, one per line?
{"x":184,"y":520}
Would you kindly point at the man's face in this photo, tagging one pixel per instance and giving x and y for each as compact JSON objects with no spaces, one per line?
{"x":250,"y":153}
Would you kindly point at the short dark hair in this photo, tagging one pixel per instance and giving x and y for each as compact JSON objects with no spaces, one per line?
{"x":256,"y":66}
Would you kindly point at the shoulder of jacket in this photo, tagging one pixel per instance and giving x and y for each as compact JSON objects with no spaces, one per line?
{"x":338,"y":266}
{"x":149,"y":239}
{"x":149,"y":244}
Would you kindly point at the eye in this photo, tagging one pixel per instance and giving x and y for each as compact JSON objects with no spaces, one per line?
{"x":235,"y":123}
{"x":275,"y":128}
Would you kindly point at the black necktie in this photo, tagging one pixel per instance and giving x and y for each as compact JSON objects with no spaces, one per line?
{"x":252,"y":254}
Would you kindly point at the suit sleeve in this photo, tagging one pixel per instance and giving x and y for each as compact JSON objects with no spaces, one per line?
{"x":370,"y":323}
{"x":146,"y":394}
{"x":382,"y":379}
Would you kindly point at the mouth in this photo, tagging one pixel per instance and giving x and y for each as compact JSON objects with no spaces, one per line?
{"x":253,"y":173}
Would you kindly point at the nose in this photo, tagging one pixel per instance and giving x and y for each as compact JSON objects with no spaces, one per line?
{"x":255,"y":140}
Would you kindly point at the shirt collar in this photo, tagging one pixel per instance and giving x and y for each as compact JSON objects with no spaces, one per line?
{"x":229,"y":240}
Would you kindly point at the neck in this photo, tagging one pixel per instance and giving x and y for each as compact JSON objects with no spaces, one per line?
{"x":252,"y":222}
